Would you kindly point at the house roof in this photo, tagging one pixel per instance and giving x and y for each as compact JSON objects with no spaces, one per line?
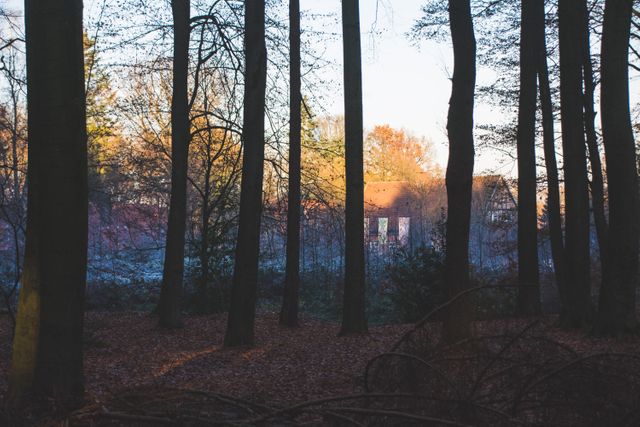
{"x":401,"y":197}
{"x":386,"y":195}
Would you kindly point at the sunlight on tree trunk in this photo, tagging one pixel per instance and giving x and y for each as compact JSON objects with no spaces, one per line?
{"x":47,"y":351}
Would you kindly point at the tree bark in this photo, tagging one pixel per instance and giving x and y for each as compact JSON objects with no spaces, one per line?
{"x":245,"y":272}
{"x":170,"y":301}
{"x":551,"y":164}
{"x":576,"y":311}
{"x":459,"y":176}
{"x":203,"y":291}
{"x":47,"y":350}
{"x":289,"y":312}
{"x":618,"y":292}
{"x":528,"y":275}
{"x":597,"y":181}
{"x":353,"y":313}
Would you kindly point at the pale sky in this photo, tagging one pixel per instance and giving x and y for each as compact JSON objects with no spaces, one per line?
{"x":404,"y":85}
{"x":408,"y":86}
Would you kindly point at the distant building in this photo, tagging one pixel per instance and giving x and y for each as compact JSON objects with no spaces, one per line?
{"x":390,"y":208}
{"x":400,"y":213}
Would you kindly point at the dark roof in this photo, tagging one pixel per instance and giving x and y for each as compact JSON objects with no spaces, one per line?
{"x":387,"y":195}
{"x":401,"y":198}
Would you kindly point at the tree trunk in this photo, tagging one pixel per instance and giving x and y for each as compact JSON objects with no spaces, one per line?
{"x":245,"y":271}
{"x":551,"y":165}
{"x":576,"y":310}
{"x":203,"y":291}
{"x":459,"y":177}
{"x":597,"y":182}
{"x":289,"y":313}
{"x":528,"y":275}
{"x":618,"y":292}
{"x":353,"y":313}
{"x":47,"y":350}
{"x":170,"y":301}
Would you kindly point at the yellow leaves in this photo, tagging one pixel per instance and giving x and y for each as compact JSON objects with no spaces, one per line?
{"x":395,"y":155}
{"x":323,"y":158}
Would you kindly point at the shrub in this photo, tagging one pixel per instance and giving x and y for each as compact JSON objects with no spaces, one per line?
{"x":500,"y":300}
{"x":321,"y":293}
{"x":417,"y":282}
{"x":217,"y":300}
{"x":135,"y":295}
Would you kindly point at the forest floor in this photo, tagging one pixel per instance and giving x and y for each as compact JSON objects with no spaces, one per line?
{"x":126,"y":350}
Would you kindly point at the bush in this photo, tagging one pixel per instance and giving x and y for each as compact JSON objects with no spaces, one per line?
{"x":137,"y":295}
{"x":417,"y":282}
{"x":495,"y":302}
{"x":320,"y":293}
{"x":217,"y":299}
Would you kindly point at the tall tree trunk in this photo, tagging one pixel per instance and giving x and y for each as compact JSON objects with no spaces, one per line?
{"x":353,"y":313}
{"x":459,"y":177}
{"x":47,"y":350}
{"x":245,"y":271}
{"x":528,"y":275}
{"x":551,"y":165}
{"x":289,"y":312}
{"x":171,"y":292}
{"x":576,"y":310}
{"x":597,"y":181}
{"x":618,"y":292}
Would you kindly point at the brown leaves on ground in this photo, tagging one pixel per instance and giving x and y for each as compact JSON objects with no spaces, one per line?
{"x":125,"y":350}
{"x":126,"y":354}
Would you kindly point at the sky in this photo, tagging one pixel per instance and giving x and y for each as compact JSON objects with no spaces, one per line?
{"x":405,"y":85}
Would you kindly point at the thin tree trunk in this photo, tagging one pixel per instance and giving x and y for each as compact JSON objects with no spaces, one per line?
{"x":597,"y":181}
{"x":576,"y":310}
{"x":17,"y":201}
{"x":203,"y":301}
{"x":528,"y":275}
{"x":618,"y":292}
{"x":353,"y":313}
{"x":203,"y":291}
{"x":245,"y":272}
{"x":459,"y":177}
{"x":289,"y":312}
{"x":47,"y":349}
{"x":170,"y":301}
{"x":551,"y":165}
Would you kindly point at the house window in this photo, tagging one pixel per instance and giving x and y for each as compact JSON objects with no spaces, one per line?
{"x":373,"y":228}
{"x":383,"y":224}
{"x":403,"y":230}
{"x":366,"y":228}
{"x":392,"y":230}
